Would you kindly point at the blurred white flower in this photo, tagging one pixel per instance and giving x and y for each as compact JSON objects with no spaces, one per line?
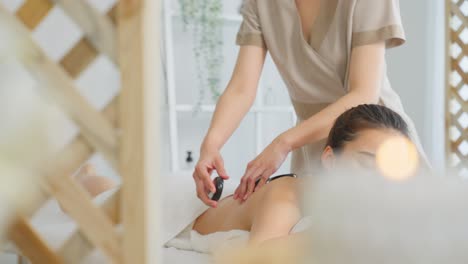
{"x":17,"y":191}
{"x":28,"y":126}
{"x":360,"y":218}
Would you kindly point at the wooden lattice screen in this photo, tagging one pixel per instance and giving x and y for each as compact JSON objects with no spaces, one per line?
{"x":457,"y":91}
{"x":120,"y":132}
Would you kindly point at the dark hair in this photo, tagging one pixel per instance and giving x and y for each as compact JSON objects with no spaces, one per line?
{"x":366,"y":116}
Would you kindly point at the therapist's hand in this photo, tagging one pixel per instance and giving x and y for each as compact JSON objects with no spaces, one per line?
{"x":210,"y":160}
{"x":262,"y":167}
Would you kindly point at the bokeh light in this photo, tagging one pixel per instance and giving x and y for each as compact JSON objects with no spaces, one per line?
{"x":397,"y":158}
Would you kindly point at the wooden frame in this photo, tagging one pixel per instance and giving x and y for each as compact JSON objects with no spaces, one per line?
{"x":447,"y":77}
{"x":459,"y":159}
{"x":126,"y":132}
{"x":139,"y":58}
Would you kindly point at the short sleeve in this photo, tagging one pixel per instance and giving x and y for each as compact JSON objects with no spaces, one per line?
{"x":377,"y":20}
{"x":250,"y":32}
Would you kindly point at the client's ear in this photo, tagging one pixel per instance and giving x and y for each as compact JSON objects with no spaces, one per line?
{"x":328,"y":158}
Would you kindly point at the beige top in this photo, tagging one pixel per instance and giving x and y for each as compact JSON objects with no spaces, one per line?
{"x":316,"y":71}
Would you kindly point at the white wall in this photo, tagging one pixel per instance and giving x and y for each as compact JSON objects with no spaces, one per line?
{"x":8,"y":259}
{"x":417,"y":72}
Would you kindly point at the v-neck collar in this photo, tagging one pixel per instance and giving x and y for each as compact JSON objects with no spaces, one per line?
{"x":321,"y":24}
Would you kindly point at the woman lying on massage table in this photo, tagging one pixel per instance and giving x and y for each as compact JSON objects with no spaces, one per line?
{"x":273,"y":211}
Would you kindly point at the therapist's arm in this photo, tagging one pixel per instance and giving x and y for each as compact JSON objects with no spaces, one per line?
{"x":231,"y":108}
{"x":365,"y":79}
{"x":365,"y":76}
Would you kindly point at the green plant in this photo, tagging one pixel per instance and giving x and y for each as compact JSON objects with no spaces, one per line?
{"x":203,"y":18}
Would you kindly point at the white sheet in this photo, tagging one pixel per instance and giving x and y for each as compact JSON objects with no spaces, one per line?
{"x":180,"y":204}
{"x":168,"y":256}
{"x":193,"y":241}
{"x":176,"y":256}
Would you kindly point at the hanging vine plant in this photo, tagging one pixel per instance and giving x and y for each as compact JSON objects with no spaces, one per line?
{"x":203,"y":18}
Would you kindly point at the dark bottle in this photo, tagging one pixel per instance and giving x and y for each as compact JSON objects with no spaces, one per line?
{"x":189,"y":161}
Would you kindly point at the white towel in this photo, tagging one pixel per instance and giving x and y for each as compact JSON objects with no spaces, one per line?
{"x":180,"y":204}
{"x":193,"y":241}
{"x":189,"y":239}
